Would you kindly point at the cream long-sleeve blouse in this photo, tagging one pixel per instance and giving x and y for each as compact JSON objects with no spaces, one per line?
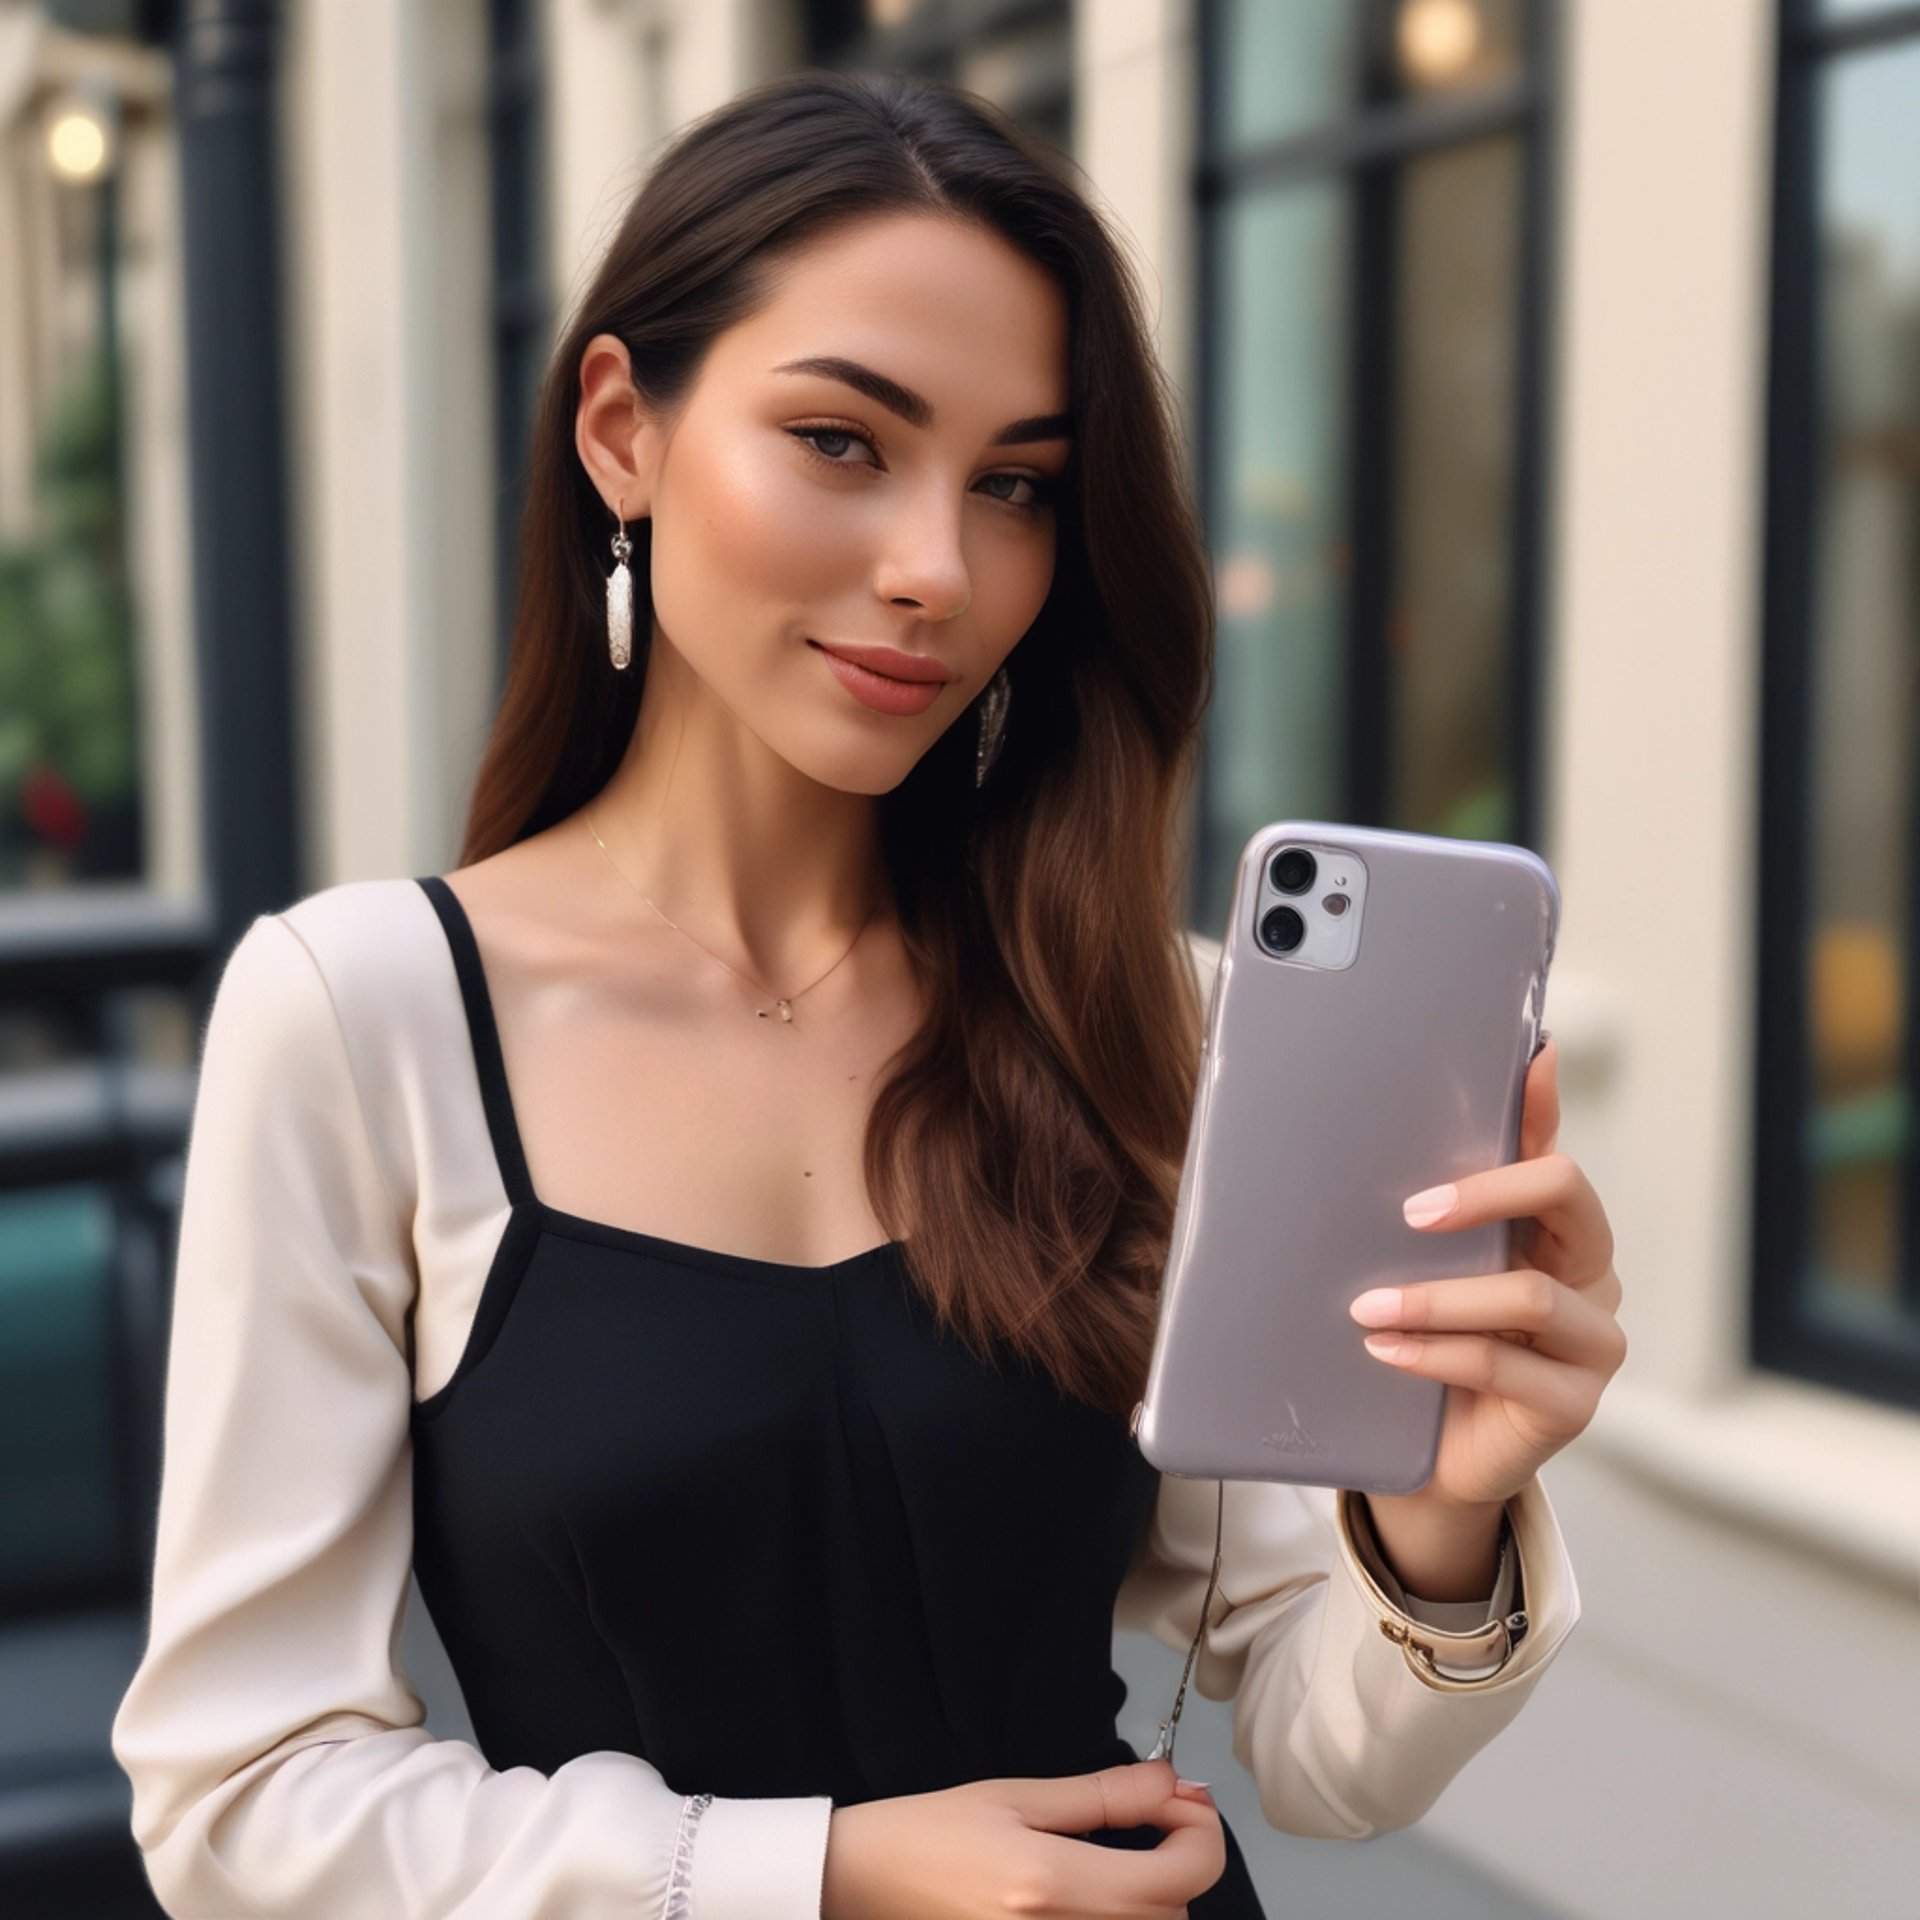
{"x":653,"y":1493}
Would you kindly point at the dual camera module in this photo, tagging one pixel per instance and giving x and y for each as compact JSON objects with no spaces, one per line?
{"x":1309,"y":898}
{"x":1293,"y":870}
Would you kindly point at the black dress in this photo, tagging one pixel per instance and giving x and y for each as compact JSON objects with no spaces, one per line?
{"x":651,"y":1450}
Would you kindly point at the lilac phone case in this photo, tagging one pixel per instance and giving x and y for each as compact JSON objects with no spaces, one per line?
{"x":1326,"y":1096}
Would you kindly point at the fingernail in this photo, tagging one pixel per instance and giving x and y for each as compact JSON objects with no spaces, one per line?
{"x":1378,"y":1308}
{"x":1389,"y":1346}
{"x":1190,"y":1786}
{"x":1435,"y":1203}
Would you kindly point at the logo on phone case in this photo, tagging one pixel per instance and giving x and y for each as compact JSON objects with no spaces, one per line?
{"x":1293,"y":1438}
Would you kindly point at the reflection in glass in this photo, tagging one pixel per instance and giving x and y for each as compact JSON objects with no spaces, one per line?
{"x":70,"y":789}
{"x":1454,"y":429}
{"x":1864,"y":676}
{"x":1287,"y":68}
{"x":59,"y":1523}
{"x":1300,"y":64}
{"x":1453,"y":46}
{"x":1277,"y":512}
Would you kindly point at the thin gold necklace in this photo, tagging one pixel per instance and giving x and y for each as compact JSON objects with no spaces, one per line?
{"x":782,"y":1003}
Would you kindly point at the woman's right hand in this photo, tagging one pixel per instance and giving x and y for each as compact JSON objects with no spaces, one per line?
{"x":997,"y":1847}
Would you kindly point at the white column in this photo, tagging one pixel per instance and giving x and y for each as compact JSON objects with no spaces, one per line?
{"x":1135,"y":81}
{"x":1134,"y":88}
{"x":1663,"y":234}
{"x":622,"y":75}
{"x":157,"y":466}
{"x":389,"y":347}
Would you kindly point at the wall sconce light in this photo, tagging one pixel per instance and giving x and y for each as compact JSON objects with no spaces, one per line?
{"x":82,"y":136}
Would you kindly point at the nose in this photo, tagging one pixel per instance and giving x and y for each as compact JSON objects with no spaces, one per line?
{"x":927,"y":568}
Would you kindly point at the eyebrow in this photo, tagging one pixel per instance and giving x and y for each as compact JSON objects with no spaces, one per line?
{"x":917,"y":411}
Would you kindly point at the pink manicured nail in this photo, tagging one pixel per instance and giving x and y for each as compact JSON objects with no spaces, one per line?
{"x":1435,"y":1203}
{"x":1378,"y":1308}
{"x":1190,"y":1786}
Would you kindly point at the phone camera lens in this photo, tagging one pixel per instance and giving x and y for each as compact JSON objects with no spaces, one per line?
{"x":1281,"y":929}
{"x":1293,"y":869}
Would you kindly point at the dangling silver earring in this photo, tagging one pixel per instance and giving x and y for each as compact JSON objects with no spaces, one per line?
{"x":993,"y":723}
{"x":620,"y":599}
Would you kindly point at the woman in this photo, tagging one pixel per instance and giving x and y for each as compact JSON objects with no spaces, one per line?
{"x":711,"y":1235}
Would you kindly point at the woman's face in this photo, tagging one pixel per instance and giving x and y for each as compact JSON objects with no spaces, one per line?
{"x":804,"y":507}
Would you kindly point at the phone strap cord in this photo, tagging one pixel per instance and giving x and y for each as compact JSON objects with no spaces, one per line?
{"x":1163,"y":1746}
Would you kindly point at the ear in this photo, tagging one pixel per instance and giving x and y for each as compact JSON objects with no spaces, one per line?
{"x":615,"y":437}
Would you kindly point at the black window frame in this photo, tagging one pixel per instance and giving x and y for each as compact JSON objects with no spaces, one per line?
{"x":1367,"y":143}
{"x":1784,"y":1337}
{"x":933,"y":40}
{"x":522,"y":301}
{"x":118,"y":1128}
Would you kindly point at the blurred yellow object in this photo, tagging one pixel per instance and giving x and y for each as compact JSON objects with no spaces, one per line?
{"x":1438,"y":39}
{"x":1856,"y":1007}
{"x":80,"y":132}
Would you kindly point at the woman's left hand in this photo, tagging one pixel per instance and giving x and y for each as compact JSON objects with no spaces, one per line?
{"x":1526,"y":1353}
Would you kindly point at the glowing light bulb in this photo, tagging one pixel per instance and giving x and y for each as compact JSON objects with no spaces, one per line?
{"x":1438,"y":39}
{"x":77,"y":143}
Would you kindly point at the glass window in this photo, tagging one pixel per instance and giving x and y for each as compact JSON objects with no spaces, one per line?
{"x":105,"y":933}
{"x":1292,"y":67}
{"x":1307,"y":63}
{"x":1279,"y":517}
{"x":60,"y":1518}
{"x":1839,"y":1249}
{"x":1370,"y":408}
{"x":73,"y":459}
{"x":1019,"y":57}
{"x":1455,"y":434}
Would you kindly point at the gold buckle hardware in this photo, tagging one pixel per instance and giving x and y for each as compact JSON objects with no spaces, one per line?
{"x":1420,"y":1659}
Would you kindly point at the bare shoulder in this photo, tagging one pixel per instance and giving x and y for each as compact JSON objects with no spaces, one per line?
{"x":528,"y":902}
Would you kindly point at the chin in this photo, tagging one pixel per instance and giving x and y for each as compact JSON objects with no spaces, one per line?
{"x":846,"y":766}
{"x":880,"y":773}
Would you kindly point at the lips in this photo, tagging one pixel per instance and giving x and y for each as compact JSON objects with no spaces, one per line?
{"x":882,"y":692}
{"x":890,"y":662}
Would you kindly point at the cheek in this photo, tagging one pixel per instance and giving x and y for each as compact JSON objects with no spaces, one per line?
{"x":1009,"y":594}
{"x":742,"y":527}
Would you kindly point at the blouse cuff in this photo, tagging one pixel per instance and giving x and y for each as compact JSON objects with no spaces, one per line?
{"x":1461,"y":1640}
{"x":761,"y":1859}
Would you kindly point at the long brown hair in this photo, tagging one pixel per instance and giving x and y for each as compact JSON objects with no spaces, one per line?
{"x":1032,"y":1129}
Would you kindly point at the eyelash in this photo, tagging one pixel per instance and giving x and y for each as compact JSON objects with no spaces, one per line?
{"x":1045,"y":489}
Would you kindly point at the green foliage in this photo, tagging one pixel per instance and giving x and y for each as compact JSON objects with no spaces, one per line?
{"x":67,"y":687}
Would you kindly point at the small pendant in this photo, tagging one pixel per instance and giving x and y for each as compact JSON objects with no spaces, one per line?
{"x":786,"y":1010}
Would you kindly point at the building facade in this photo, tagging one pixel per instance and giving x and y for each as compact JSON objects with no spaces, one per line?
{"x":1551,"y":375}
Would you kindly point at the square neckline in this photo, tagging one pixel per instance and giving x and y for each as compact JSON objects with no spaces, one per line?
{"x":503,"y":1127}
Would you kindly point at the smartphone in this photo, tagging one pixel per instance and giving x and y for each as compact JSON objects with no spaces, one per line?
{"x":1377,"y":1003}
